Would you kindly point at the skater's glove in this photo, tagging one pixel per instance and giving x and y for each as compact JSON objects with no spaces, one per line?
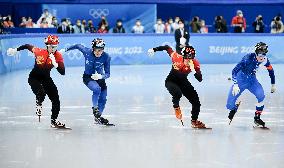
{"x":12,"y":51}
{"x":236,"y":90}
{"x":53,"y":61}
{"x":151,"y":52}
{"x":198,"y":76}
{"x":96,"y":76}
{"x":273,"y":88}
{"x":62,"y":51}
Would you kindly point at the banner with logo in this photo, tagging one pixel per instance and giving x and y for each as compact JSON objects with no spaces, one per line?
{"x":128,"y":13}
{"x":132,"y":49}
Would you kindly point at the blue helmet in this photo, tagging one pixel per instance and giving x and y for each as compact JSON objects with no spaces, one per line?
{"x":261,"y":48}
{"x":98,"y":43}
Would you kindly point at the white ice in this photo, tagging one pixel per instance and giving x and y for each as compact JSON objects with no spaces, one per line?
{"x":146,"y":135}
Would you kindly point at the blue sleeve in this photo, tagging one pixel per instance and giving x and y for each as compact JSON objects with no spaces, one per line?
{"x":270,"y":71}
{"x":107,"y":68}
{"x":237,"y":68}
{"x":79,"y":47}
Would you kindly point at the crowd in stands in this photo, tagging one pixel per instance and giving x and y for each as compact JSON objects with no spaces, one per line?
{"x":196,"y":24}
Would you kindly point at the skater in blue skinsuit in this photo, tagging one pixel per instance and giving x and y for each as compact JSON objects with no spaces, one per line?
{"x":97,"y":69}
{"x":244,"y":77}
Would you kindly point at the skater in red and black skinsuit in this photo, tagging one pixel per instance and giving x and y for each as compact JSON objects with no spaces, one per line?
{"x":39,"y":79}
{"x":177,"y":82}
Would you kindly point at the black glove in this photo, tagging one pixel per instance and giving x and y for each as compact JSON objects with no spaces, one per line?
{"x":198,"y":76}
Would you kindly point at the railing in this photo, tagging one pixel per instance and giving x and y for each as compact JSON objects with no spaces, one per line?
{"x":215,"y":48}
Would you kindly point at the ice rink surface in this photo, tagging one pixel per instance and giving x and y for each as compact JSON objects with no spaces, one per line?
{"x":146,"y":135}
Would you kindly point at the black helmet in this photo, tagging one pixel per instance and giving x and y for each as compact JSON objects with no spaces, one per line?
{"x":261,"y":48}
{"x":98,"y":43}
{"x":188,"y":52}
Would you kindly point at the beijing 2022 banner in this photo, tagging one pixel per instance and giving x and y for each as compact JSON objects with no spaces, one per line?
{"x":132,"y":49}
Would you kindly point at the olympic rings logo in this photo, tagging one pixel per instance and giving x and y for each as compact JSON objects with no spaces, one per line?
{"x":98,"y":13}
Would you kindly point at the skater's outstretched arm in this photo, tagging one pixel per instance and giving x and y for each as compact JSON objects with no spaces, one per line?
{"x":169,"y":50}
{"x":26,"y":46}
{"x":14,"y":51}
{"x":79,"y":47}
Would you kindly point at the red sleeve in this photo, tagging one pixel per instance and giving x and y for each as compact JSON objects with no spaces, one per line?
{"x":36,"y":50}
{"x":170,"y":51}
{"x":58,"y":57}
{"x":60,"y":61}
{"x":196,"y":65}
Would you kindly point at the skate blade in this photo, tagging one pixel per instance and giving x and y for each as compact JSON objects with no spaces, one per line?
{"x":230,"y":122}
{"x":61,"y":127}
{"x":205,"y":128}
{"x":181,"y":122}
{"x":106,"y":125}
{"x":261,"y":127}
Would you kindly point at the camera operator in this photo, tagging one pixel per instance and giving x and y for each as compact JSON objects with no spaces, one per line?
{"x":258,"y":24}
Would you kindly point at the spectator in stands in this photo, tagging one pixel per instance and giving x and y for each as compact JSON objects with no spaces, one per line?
{"x":277,"y":25}
{"x":258,"y":25}
{"x":138,"y":28}
{"x":47,"y":16}
{"x":103,"y":22}
{"x":169,"y":26}
{"x":159,"y":27}
{"x":181,"y":36}
{"x":23,"y":22}
{"x":69,"y":24}
{"x":30,"y":23}
{"x":119,"y":27}
{"x":84,"y":24}
{"x":102,"y":29}
{"x":195,"y":25}
{"x":203,"y":28}
{"x":8,"y":22}
{"x":91,"y":28}
{"x":78,"y":28}
{"x":239,"y":22}
{"x":63,"y":28}
{"x":175,"y":24}
{"x":220,"y":24}
{"x":43,"y":23}
{"x":54,"y":22}
{"x":1,"y":25}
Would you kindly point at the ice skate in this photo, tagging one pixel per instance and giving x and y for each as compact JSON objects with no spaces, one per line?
{"x":233,"y":112}
{"x":99,"y":119}
{"x":196,"y":124}
{"x":179,"y":115}
{"x":57,"y":124}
